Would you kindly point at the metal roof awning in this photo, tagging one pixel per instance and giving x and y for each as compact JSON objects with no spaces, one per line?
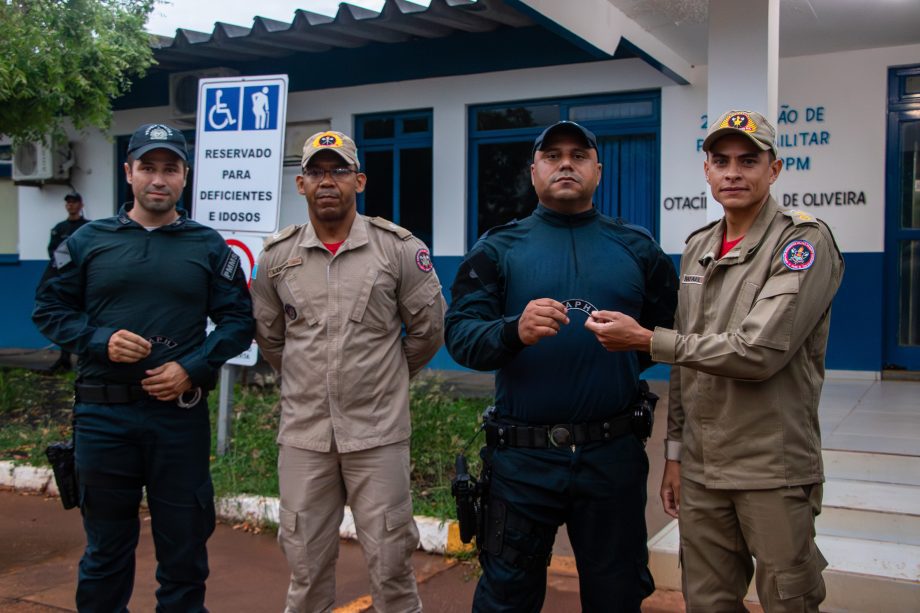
{"x":399,"y":21}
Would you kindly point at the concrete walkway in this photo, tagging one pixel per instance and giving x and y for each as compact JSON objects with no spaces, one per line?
{"x":42,"y":543}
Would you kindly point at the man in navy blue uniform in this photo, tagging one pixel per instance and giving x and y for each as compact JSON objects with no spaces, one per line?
{"x":561,"y":447}
{"x":73,"y":203}
{"x":132,"y":297}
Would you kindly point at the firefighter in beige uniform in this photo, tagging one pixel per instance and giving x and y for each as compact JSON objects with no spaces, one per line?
{"x":330,"y":299}
{"x":744,"y":463}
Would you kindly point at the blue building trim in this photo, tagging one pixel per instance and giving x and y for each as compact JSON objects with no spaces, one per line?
{"x":20,"y":280}
{"x":856,"y":337}
{"x":457,"y":54}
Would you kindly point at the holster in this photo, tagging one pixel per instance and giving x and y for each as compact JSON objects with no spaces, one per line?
{"x":61,"y":456}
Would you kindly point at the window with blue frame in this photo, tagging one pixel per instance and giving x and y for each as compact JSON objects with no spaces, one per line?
{"x":395,"y":153}
{"x":627,"y":127}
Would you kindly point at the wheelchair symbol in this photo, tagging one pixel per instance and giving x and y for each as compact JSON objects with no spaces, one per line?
{"x":220,"y":115}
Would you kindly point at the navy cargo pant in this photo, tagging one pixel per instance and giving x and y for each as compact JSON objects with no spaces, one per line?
{"x":599,"y":492}
{"x":121,"y":448}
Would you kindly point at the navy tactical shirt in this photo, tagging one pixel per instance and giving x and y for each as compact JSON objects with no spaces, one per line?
{"x":587,"y":261}
{"x":161,"y":284}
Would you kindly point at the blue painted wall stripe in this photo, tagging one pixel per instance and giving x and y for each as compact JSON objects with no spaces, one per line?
{"x":856,"y":320}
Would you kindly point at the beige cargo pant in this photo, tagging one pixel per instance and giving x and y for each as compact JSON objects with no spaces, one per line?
{"x":315,"y":486}
{"x":721,"y":529}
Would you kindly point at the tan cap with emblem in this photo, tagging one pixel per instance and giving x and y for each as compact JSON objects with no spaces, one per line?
{"x":330,"y":141}
{"x":748,"y":123}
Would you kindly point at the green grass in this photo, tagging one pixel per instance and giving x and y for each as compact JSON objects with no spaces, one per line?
{"x":35,"y":410}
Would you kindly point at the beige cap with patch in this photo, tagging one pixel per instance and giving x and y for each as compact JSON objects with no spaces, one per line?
{"x":330,"y":141}
{"x":749,"y":123}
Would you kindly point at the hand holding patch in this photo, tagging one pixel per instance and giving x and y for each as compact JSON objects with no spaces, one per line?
{"x":541,"y":318}
{"x":617,"y":331}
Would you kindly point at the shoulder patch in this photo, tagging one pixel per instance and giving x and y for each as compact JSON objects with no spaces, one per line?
{"x":698,"y":230}
{"x":62,"y":256}
{"x":798,"y":255}
{"x":423,"y":260}
{"x":230,"y":265}
{"x":499,"y":228}
{"x":389,"y":226}
{"x":799,"y":217}
{"x":280,"y":236}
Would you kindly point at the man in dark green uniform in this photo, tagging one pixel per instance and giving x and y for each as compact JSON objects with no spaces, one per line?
{"x":132,"y":297}
{"x":73,"y":203}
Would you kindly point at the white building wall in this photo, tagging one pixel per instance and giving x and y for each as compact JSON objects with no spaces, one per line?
{"x":850,"y":87}
{"x":839,"y":103}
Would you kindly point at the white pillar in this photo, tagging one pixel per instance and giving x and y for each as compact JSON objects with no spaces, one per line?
{"x":743,"y":62}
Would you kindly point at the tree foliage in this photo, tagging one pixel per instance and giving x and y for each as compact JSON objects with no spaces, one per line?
{"x":63,"y":59}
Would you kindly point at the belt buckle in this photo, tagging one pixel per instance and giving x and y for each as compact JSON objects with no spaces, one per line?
{"x":560,"y":436}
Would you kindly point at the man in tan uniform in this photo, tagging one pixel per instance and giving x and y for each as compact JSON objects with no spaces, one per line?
{"x":743,"y":451}
{"x":330,"y":299}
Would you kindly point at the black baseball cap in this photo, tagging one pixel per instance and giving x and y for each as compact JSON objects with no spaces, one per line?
{"x":570,"y":126}
{"x":74,"y":196}
{"x":152,"y":136}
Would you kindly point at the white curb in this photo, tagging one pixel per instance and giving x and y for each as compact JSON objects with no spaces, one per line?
{"x":435,"y":535}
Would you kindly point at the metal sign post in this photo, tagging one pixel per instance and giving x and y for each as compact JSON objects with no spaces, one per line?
{"x":225,"y":408}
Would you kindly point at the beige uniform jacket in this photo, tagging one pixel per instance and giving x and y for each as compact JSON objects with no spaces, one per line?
{"x":331,"y":325}
{"x":748,"y":349}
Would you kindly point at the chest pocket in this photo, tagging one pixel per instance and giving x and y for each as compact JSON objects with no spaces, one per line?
{"x":775,"y":306}
{"x":304,"y":311}
{"x":743,"y":305}
{"x":375,"y":302}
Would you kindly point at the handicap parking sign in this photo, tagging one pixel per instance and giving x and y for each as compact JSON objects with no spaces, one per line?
{"x":223,"y":109}
{"x":260,"y":107}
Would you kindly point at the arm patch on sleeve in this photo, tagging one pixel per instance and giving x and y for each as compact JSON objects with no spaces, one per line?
{"x":62,"y":256}
{"x":475,"y":273}
{"x":230,"y":266}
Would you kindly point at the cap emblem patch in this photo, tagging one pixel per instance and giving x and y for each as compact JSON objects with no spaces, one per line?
{"x":799,"y":255}
{"x":158,"y":132}
{"x":327,"y":139}
{"x":739,"y":121}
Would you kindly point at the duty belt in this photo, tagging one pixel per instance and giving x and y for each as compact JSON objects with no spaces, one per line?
{"x":109,"y":394}
{"x":500,"y":434}
{"x":99,"y":393}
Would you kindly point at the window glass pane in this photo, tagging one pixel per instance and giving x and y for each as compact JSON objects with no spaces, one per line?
{"x":613,"y":110}
{"x":912,"y":85}
{"x":378,"y":192}
{"x":378,"y":128}
{"x":517,"y":117}
{"x":504,"y":191}
{"x":910,"y":174}
{"x":909,"y":300}
{"x":415,"y":191}
{"x":415,"y":124}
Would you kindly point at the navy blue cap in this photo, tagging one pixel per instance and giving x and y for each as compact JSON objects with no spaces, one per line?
{"x":570,"y":126}
{"x":74,"y":196}
{"x":152,"y":136}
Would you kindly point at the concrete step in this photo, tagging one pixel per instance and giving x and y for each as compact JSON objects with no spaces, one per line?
{"x":875,"y":511}
{"x":876,"y":467}
{"x":862,"y":575}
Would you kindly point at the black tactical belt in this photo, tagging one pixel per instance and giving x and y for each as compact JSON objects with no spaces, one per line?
{"x":500,"y":434}
{"x":109,"y":394}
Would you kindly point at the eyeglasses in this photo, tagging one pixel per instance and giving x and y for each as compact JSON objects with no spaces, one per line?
{"x":316,"y":174}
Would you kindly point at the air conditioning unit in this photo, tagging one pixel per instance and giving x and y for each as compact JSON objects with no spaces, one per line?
{"x":44,"y":161}
{"x":183,"y":89}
